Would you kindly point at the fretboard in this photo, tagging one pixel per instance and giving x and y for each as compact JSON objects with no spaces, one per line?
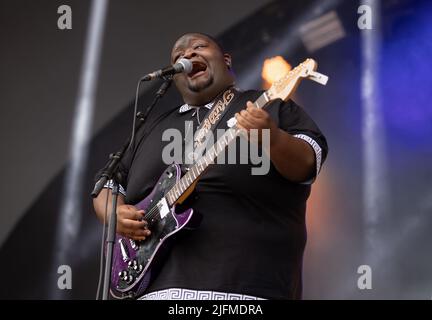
{"x":208,"y":158}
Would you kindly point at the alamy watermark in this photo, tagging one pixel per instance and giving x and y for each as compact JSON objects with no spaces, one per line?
{"x":64,"y":281}
{"x":253,"y":149}
{"x":365,"y":280}
{"x":365,"y":20}
{"x":64,"y":22}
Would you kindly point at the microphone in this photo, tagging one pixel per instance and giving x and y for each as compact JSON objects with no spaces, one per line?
{"x":183,"y":65}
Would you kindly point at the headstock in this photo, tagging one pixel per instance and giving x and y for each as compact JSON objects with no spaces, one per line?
{"x":286,"y":85}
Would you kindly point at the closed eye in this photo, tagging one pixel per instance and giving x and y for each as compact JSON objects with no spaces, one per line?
{"x":177,"y":57}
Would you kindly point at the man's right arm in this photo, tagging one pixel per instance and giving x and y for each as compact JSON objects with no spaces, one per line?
{"x":130,"y":221}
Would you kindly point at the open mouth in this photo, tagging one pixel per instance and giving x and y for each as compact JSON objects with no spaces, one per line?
{"x":198,"y":68}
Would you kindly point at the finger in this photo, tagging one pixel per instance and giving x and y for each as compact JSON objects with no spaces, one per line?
{"x":245,"y":114}
{"x":249,"y":104}
{"x":130,"y":212}
{"x":257,"y":112}
{"x":133,"y":224}
{"x":133,"y":235}
{"x":243,"y":130}
{"x":247,"y":123}
{"x":140,"y":235}
{"x":253,"y":118}
{"x":240,"y":121}
{"x":136,"y":238}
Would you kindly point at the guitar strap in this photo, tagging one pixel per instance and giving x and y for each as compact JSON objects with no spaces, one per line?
{"x":195,"y":149}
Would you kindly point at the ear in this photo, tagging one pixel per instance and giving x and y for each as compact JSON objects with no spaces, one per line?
{"x":227,"y":59}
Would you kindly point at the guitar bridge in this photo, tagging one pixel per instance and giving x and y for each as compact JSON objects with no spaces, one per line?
{"x":124,"y":251}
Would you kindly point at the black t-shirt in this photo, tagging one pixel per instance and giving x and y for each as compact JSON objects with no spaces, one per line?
{"x":252,"y":232}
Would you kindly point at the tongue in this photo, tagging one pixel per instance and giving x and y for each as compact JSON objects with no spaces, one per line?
{"x":197,"y":67}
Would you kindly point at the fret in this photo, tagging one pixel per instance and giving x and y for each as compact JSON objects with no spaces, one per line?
{"x":190,"y":178}
{"x":212,"y":153}
{"x":231,"y":132}
{"x":173,"y":197}
{"x":184,"y":185}
{"x":194,"y":175}
{"x":208,"y":156}
{"x":227,"y":138}
{"x":219,"y":146}
{"x":211,"y":157}
{"x":201,"y":163}
{"x":197,"y":168}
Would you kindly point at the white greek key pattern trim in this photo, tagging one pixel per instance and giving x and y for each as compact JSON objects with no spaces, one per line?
{"x":315,"y":146}
{"x":187,"y":294}
{"x":110,"y":185}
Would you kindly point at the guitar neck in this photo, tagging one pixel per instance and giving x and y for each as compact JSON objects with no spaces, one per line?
{"x":208,"y":158}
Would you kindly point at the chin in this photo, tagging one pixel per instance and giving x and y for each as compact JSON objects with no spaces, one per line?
{"x":201,"y":85}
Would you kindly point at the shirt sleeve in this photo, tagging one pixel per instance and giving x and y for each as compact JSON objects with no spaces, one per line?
{"x":123,"y":171}
{"x":110,"y":185}
{"x":294,"y":120}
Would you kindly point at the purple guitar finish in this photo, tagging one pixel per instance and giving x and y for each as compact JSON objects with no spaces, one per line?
{"x":133,"y":260}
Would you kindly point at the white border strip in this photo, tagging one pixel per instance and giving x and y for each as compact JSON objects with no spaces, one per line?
{"x":317,"y":149}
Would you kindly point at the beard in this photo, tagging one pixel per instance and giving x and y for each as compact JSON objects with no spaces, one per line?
{"x":197,"y":87}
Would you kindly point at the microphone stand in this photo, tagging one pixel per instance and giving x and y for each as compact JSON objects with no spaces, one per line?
{"x":110,"y":172}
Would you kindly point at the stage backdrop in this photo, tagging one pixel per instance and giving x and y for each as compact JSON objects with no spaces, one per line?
{"x":371,"y":207}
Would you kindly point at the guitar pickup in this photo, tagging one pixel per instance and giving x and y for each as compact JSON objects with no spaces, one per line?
{"x":163,"y":207}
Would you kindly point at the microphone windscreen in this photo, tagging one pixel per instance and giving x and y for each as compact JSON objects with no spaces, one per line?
{"x":186,"y":65}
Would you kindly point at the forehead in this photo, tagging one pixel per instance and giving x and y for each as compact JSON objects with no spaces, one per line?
{"x":188,"y":39}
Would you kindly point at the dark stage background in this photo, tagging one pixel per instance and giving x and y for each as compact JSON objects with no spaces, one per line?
{"x":372,"y":204}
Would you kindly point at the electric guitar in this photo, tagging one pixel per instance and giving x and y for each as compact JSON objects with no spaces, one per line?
{"x":133,"y":261}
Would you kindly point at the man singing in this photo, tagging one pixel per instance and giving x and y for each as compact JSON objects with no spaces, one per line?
{"x":250,"y":240}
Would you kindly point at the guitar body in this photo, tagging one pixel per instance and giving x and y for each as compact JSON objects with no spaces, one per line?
{"x":133,"y":261}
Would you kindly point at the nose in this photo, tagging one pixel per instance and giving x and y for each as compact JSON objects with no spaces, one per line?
{"x":189,"y":53}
